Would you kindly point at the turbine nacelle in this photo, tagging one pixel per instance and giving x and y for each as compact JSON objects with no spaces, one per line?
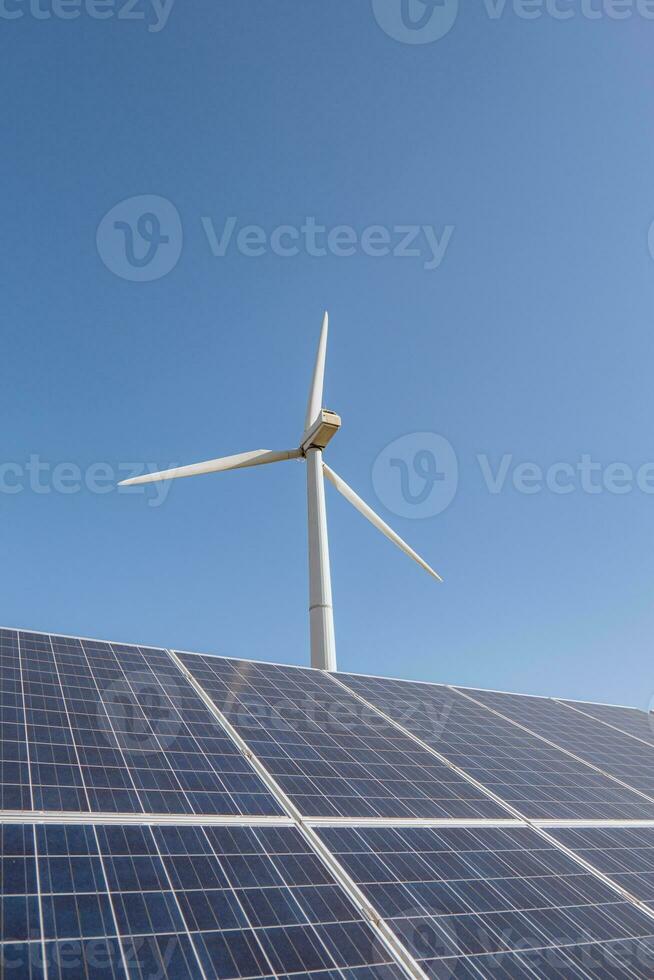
{"x":321,"y":433}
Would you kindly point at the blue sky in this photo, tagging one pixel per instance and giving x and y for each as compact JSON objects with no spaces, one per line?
{"x":523,"y":146}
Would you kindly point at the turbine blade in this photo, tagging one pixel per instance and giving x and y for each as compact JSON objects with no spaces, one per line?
{"x":315,"y":395}
{"x":259,"y":457}
{"x":374,"y":519}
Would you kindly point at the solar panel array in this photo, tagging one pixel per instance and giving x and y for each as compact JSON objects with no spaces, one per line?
{"x":175,"y":815}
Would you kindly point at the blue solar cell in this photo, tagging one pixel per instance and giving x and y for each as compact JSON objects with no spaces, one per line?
{"x":535,"y":778}
{"x":329,"y":753}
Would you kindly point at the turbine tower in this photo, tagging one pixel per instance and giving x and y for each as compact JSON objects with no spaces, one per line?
{"x":320,"y":426}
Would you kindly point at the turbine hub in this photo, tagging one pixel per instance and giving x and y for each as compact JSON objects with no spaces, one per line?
{"x":322,"y":431}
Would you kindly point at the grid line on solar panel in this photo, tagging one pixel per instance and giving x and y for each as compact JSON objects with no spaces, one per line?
{"x":624,"y":854}
{"x":328,"y":753}
{"x":630,"y":721}
{"x":461,"y":893}
{"x":179,"y":901}
{"x":533,"y":776}
{"x":620,"y":757}
{"x":96,"y":727}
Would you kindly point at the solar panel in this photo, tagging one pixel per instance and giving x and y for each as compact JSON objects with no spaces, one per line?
{"x":535,"y":778}
{"x":616,"y":754}
{"x":333,"y":756}
{"x":116,"y":729}
{"x":179,"y":901}
{"x":631,"y":721}
{"x":463,"y":898}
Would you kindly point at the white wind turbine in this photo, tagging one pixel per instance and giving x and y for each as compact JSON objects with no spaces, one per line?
{"x":320,"y":427}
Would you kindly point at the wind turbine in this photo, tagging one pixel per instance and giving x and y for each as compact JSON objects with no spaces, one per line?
{"x":320,"y":426}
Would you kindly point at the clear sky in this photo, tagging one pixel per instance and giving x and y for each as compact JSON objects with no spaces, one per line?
{"x":519,"y":330}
